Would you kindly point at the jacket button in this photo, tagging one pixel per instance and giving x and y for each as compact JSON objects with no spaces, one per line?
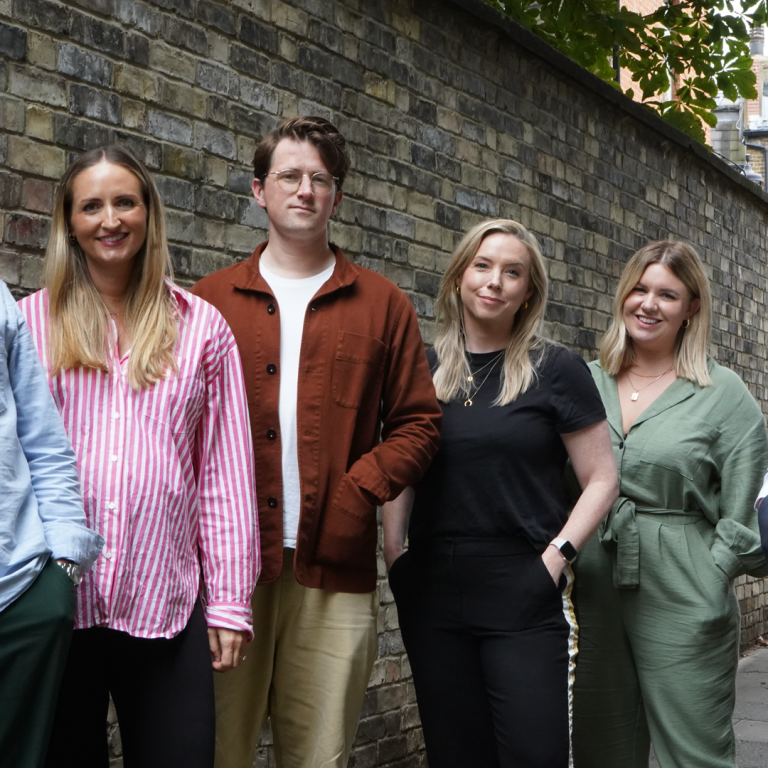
{"x":271,"y":502}
{"x":271,"y":309}
{"x":271,"y":434}
{"x":271,"y":368}
{"x":621,"y":445}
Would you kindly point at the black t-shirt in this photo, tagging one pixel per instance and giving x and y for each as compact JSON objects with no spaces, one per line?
{"x":499,"y":469}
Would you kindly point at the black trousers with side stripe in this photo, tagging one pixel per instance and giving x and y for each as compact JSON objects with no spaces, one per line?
{"x":491,"y":642}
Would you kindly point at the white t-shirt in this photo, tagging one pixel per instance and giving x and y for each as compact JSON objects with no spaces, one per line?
{"x":293,"y":297}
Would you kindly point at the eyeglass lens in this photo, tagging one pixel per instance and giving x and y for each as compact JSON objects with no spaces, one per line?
{"x":290,"y":180}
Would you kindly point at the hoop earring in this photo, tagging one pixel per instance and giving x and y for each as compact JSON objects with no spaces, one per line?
{"x":458,"y":291}
{"x":686,"y":322}
{"x":525,"y":306}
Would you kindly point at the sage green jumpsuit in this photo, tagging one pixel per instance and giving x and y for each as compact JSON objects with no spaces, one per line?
{"x":658,"y":617}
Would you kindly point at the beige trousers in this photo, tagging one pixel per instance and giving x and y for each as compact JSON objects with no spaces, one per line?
{"x":307,"y":669}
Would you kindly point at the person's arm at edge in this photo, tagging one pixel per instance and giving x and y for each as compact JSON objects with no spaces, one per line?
{"x":591,"y":455}
{"x":226,"y":487}
{"x":395,"y":515}
{"x":49,"y":453}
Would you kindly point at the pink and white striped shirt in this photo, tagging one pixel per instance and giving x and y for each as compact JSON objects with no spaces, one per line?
{"x":167,"y":476}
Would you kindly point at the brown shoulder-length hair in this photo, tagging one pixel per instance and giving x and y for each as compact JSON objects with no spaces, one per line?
{"x":79,"y":334}
{"x":323,"y":134}
{"x":680,"y":258}
{"x":519,"y":370}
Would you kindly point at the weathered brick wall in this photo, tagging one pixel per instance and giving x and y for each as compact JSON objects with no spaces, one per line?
{"x":452,"y":116}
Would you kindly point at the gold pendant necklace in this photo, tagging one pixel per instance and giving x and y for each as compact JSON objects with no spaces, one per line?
{"x":471,"y":377}
{"x":636,"y":393}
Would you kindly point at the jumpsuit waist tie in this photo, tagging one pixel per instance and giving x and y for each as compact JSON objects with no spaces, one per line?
{"x":620,"y":528}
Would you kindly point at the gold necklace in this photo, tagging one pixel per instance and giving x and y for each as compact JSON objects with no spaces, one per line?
{"x":472,"y":374}
{"x":637,"y":391}
{"x":645,"y":375}
{"x":468,"y":401}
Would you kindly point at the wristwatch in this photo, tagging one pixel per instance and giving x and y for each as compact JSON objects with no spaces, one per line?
{"x":565,"y":548}
{"x":73,"y":570}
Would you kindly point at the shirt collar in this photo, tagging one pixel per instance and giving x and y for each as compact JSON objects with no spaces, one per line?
{"x":250,"y":278}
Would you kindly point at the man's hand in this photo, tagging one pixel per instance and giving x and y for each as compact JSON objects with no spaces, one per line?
{"x":227,"y":647}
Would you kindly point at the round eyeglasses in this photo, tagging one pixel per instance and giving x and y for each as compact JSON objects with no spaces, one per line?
{"x":290,"y":180}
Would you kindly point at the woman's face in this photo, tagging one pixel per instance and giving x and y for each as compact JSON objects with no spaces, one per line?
{"x":656,"y":308}
{"x":109,"y":218}
{"x":496,"y":282}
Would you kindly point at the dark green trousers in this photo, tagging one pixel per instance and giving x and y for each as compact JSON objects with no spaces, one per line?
{"x":35,"y":631}
{"x":656,"y":663}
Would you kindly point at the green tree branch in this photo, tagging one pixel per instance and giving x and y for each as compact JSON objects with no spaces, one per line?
{"x":696,"y":47}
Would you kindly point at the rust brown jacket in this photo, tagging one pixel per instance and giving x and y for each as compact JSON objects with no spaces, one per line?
{"x":367,"y":416}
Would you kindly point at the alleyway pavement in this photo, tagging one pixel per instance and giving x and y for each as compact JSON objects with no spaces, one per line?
{"x":750,"y":718}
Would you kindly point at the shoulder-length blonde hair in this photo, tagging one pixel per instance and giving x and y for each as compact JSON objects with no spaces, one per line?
{"x":79,"y":318}
{"x":518,"y":371}
{"x":680,"y":258}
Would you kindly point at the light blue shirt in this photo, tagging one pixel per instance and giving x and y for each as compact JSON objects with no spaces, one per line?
{"x":41,"y":506}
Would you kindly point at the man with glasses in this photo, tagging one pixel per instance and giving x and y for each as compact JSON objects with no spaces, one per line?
{"x":343,"y":416}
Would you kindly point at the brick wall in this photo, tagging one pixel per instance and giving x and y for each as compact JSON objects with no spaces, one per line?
{"x":452,"y":114}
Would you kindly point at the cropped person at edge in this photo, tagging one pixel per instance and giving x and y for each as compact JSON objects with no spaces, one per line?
{"x":45,"y":546}
{"x":484,"y":591}
{"x":148,"y":382}
{"x":659,"y":619}
{"x":344,"y":416}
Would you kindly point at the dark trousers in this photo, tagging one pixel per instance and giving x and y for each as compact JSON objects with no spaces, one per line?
{"x":163,"y":695}
{"x":35,"y":631}
{"x":490,"y":639}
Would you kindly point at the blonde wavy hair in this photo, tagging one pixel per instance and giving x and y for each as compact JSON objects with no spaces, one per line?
{"x":79,"y":318}
{"x":680,"y":258}
{"x":519,"y":371}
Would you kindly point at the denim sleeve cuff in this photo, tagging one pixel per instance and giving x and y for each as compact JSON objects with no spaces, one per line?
{"x":73,"y":541}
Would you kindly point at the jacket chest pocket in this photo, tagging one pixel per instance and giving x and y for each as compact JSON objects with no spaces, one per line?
{"x":680,"y":448}
{"x":357,"y":368}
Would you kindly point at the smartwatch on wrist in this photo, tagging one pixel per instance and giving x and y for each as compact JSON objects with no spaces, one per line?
{"x":73,"y":570}
{"x":565,"y":548}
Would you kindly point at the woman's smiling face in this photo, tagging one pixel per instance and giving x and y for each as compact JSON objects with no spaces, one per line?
{"x":656,"y":308}
{"x":497,"y":282}
{"x":108,"y":218}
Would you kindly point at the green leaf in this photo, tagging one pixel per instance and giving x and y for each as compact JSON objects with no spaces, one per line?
{"x":703,"y":44}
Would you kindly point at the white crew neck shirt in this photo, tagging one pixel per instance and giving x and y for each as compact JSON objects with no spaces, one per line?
{"x":293,"y":297}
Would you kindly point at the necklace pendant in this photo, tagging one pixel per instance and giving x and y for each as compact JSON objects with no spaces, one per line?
{"x":470,"y":378}
{"x":467,"y":402}
{"x":634,"y":397}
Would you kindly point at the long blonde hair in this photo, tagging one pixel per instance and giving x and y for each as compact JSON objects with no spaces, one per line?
{"x":518,"y":371}
{"x":79,"y":318}
{"x":680,"y":258}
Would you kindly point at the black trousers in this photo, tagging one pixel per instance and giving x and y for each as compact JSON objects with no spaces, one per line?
{"x":491,"y":642}
{"x":163,"y":695}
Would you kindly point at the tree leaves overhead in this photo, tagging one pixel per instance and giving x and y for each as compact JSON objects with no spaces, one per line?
{"x":695,"y":47}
